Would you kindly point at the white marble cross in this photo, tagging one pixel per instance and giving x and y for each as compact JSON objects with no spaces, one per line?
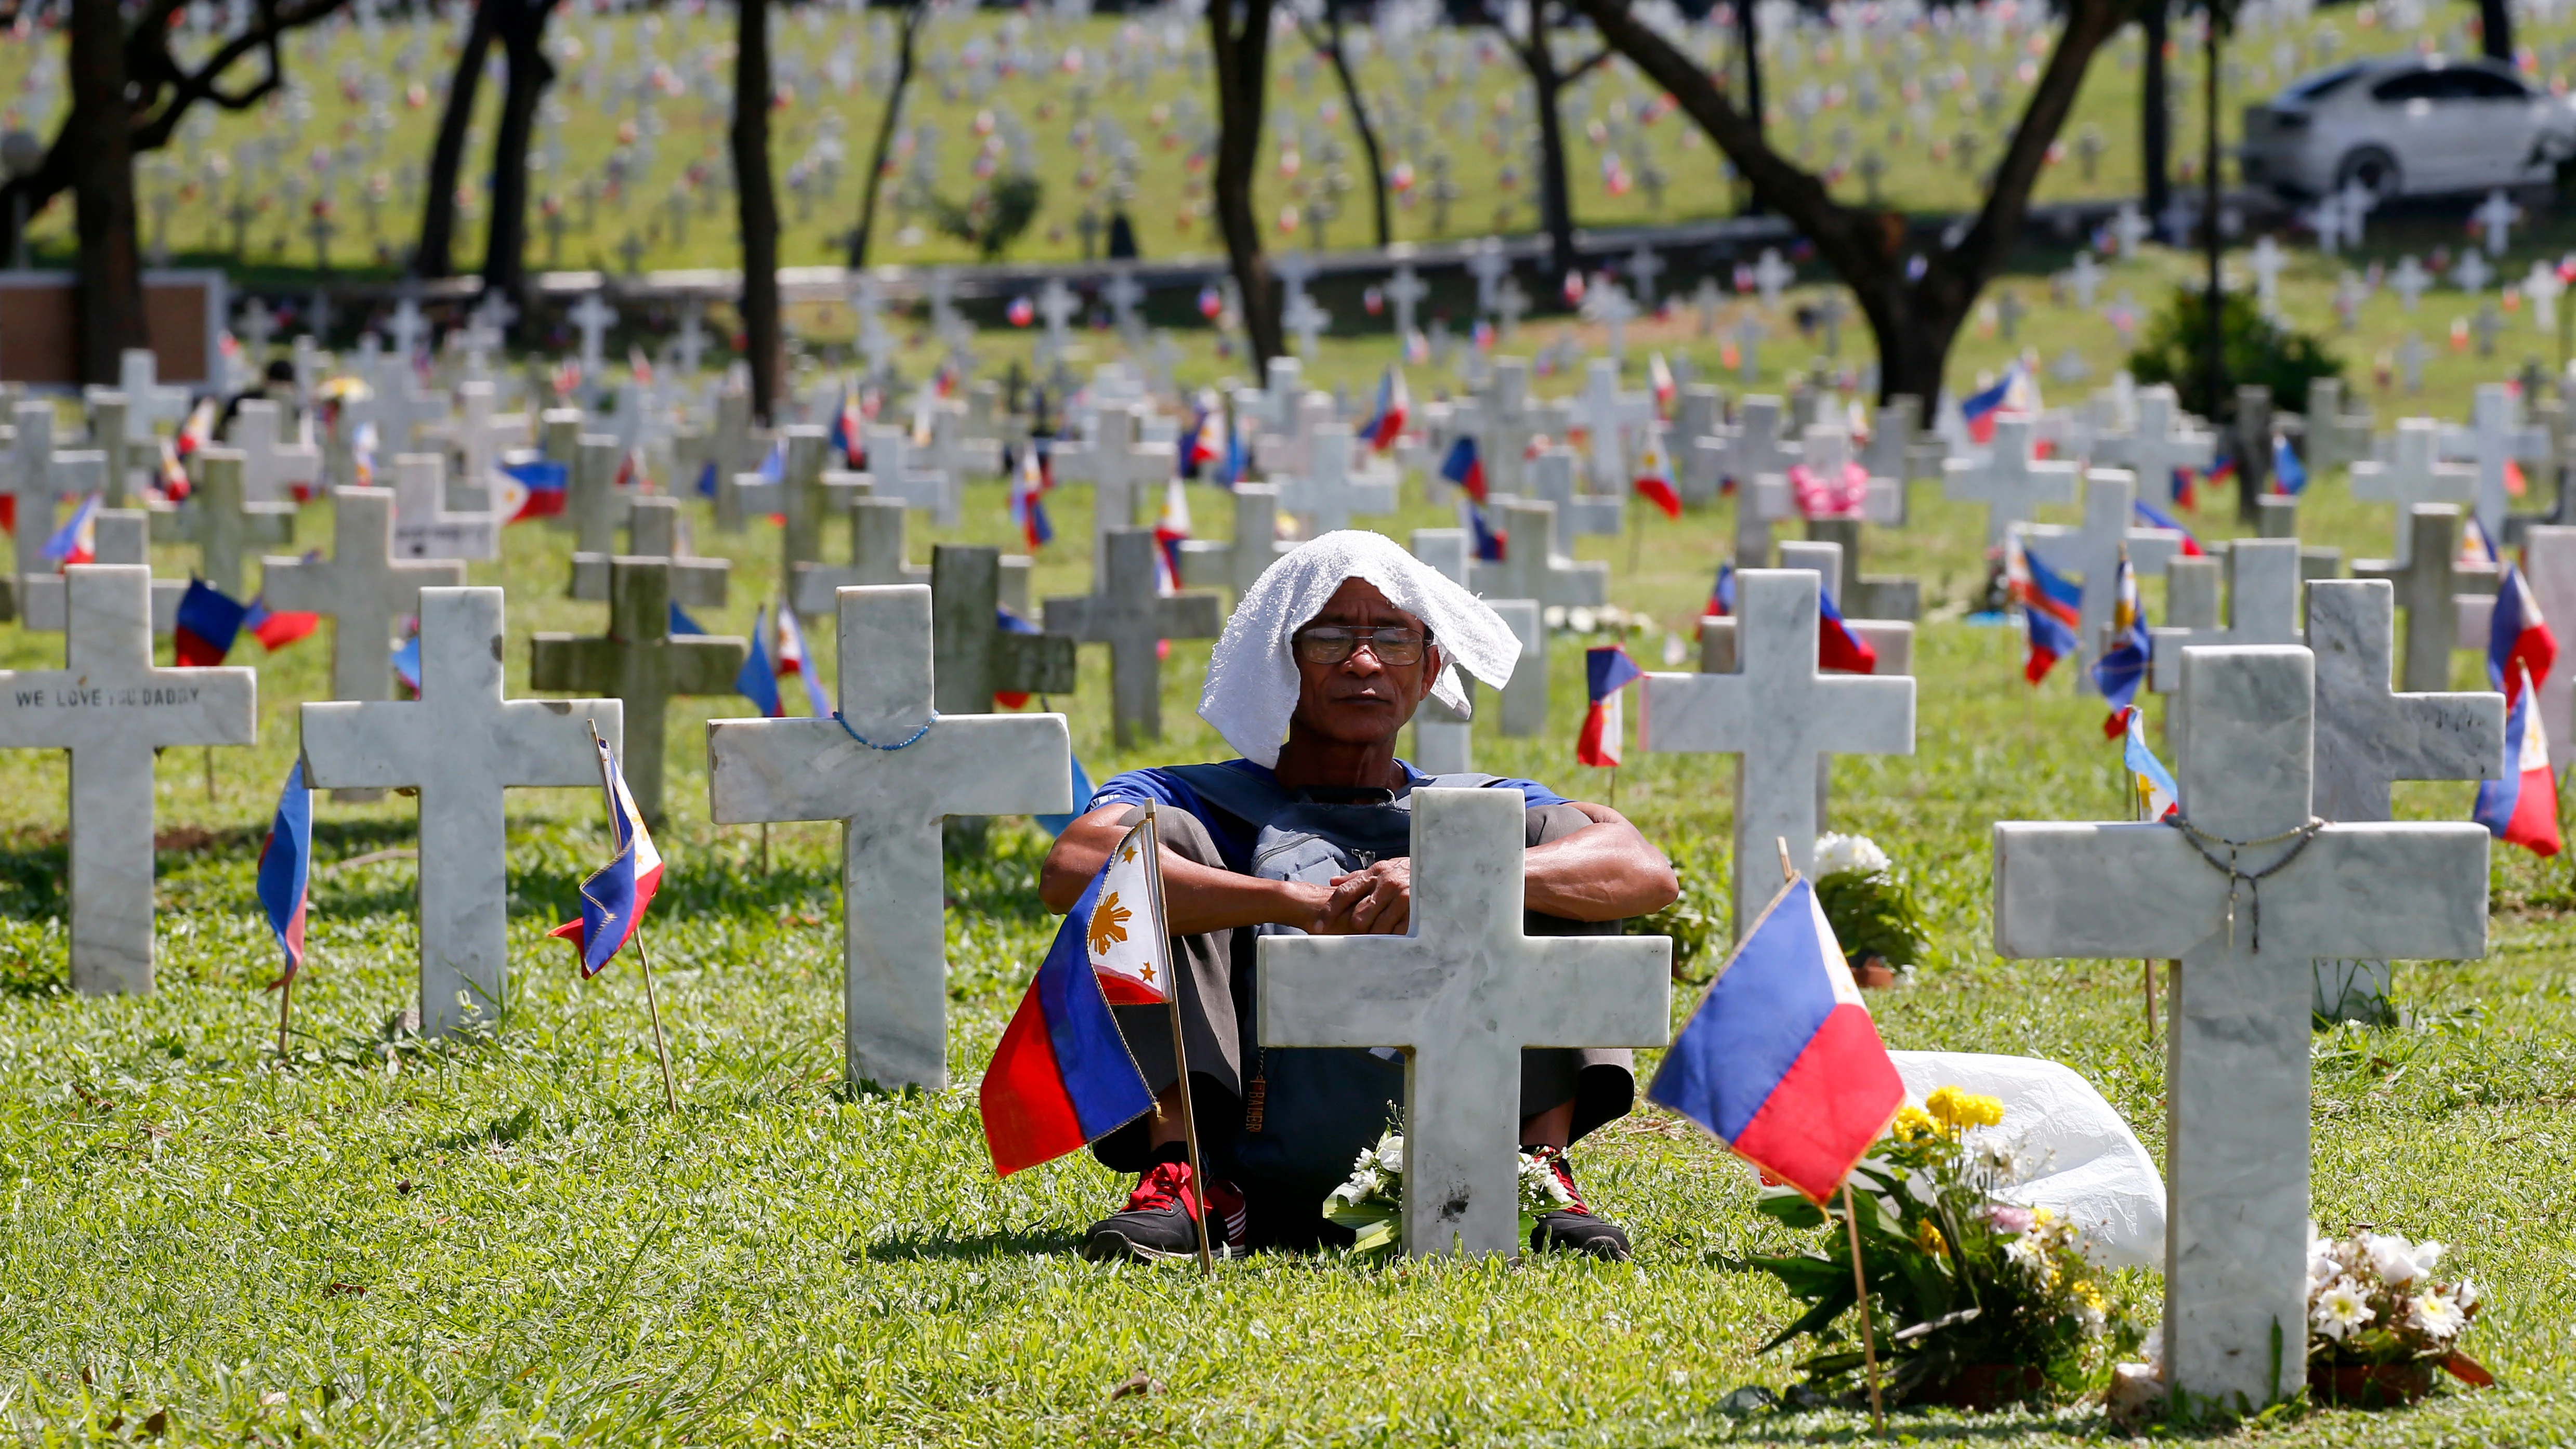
{"x":147,"y":401}
{"x":1307,"y":320}
{"x":2471,"y":273}
{"x":2092,"y":554}
{"x":890,"y":768}
{"x":479,"y":434}
{"x":1825,"y":449}
{"x":1771,"y":276}
{"x":2086,"y":279}
{"x":1488,"y":265}
{"x":976,"y":655}
{"x":877,"y":558}
{"x":2543,"y":289}
{"x":1645,"y":264}
{"x":2413,"y":473}
{"x":655,"y":529}
{"x":272,"y":470}
{"x":1535,"y":565}
{"x":2435,"y":587}
{"x":1779,"y":714}
{"x":735,"y":454}
{"x":2130,"y":228}
{"x":2409,"y":281}
{"x":120,"y":536}
{"x":1463,"y":993}
{"x":642,"y":663}
{"x":461,"y":744}
{"x":2269,"y":262}
{"x":1758,"y":446}
{"x":1125,"y":613}
{"x":1123,"y":294}
{"x":1406,"y":290}
{"x":902,"y":473}
{"x":1324,"y":494}
{"x":1608,"y":305}
{"x":363,"y":588}
{"x":39,"y":477}
{"x":2236,"y":1284}
{"x":223,"y":524}
{"x":1056,"y":303}
{"x":2494,"y":436}
{"x":2262,"y":608}
{"x":2495,"y":217}
{"x":594,"y":501}
{"x":1609,"y":415}
{"x":2008,"y":480}
{"x":1555,"y":476}
{"x":111,"y":709}
{"x":1120,"y":467}
{"x":1234,"y":564}
{"x":593,"y":317}
{"x":425,"y":527}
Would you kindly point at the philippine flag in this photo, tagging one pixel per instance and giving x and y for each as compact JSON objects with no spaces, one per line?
{"x":2519,"y":642}
{"x":1062,"y":1077}
{"x":275,"y":629}
{"x":1781,"y":1060}
{"x":526,"y":484}
{"x":407,"y":663}
{"x":1838,"y":649}
{"x":2289,"y":472}
{"x":1655,"y":475}
{"x":208,"y":622}
{"x":2158,"y":795}
{"x":1464,"y":468}
{"x":1028,"y":503}
{"x":1394,"y":403}
{"x":2039,"y":588}
{"x":2123,"y":666}
{"x":285,"y":866}
{"x":1721,"y":595}
{"x":1490,"y":543}
{"x":849,"y":430}
{"x":1171,"y":530}
{"x":2050,"y":639}
{"x":1659,"y":378}
{"x":2150,"y":516}
{"x":1982,"y":410}
{"x":794,"y":658}
{"x":1607,"y":670}
{"x":757,"y":682}
{"x":76,"y":542}
{"x":614,"y":898}
{"x":2522,"y":808}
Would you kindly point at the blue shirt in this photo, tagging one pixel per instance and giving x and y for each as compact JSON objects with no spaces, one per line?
{"x":1234,"y":836}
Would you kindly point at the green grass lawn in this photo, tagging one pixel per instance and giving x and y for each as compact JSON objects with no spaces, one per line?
{"x":509,"y":1238}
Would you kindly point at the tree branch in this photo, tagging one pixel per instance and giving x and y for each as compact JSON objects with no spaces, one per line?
{"x":1584,"y":67}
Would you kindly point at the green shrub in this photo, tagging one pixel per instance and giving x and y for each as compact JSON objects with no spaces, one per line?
{"x":993,"y":217}
{"x":2255,"y":349}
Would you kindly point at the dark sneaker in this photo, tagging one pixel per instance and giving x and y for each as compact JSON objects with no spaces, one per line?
{"x":1159,"y":1221}
{"x":1575,"y":1228}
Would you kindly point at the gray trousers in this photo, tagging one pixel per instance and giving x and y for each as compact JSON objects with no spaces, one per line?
{"x":1216,"y":978}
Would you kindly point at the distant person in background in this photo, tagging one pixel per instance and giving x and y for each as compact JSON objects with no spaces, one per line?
{"x":1122,"y":237}
{"x":276,"y":385}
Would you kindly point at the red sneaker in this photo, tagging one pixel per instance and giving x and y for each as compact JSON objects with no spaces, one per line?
{"x":1159,"y":1222}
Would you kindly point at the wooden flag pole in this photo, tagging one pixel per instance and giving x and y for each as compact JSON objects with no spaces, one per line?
{"x":285,"y":1004}
{"x":1868,"y":1338}
{"x":1180,"y":1050}
{"x":652,"y":1003}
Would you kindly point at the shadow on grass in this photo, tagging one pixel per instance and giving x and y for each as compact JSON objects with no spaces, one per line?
{"x":935,"y":1247}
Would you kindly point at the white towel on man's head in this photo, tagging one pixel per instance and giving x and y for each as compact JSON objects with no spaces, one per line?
{"x":1252,"y":677}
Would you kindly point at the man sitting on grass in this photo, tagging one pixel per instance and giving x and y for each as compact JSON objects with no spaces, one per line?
{"x":1333,"y":649}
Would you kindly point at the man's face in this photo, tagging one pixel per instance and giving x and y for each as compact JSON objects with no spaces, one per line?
{"x":1362,"y":700}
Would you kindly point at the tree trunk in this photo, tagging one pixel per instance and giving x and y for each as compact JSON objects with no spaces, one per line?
{"x":434,"y":254}
{"x":1331,"y":46}
{"x":860,"y":235}
{"x":757,"y":207}
{"x":1913,"y":320}
{"x":2495,"y":28}
{"x":108,"y":306}
{"x":1556,"y":208}
{"x":1239,"y":35}
{"x":1748,"y":39}
{"x":2155,"y":116}
{"x":521,"y":29}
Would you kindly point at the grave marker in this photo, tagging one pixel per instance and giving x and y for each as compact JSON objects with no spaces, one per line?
{"x":976,"y":656}
{"x":1234,"y":564}
{"x":39,"y":476}
{"x":641,"y":663}
{"x":1532,"y":566}
{"x":461,"y":744}
{"x":2009,"y":480}
{"x":425,"y":527}
{"x":1126,"y":614}
{"x":2427,"y":587}
{"x":272,"y":471}
{"x":1463,"y":993}
{"x":2092,"y":553}
{"x":363,"y":588}
{"x":2236,"y":1284}
{"x":2412,"y":474}
{"x":877,"y":558}
{"x":653,"y":530}
{"x":221,"y":523}
{"x":890,"y":768}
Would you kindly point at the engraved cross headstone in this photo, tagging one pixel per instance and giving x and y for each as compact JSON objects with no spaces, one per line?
{"x":1463,"y":993}
{"x":978,"y":656}
{"x":1533,"y":566}
{"x":363,"y":587}
{"x":1327,"y":490}
{"x":39,"y":477}
{"x":425,"y":527}
{"x":1760,"y":445}
{"x":2236,"y":1285}
{"x":272,"y":470}
{"x":2092,"y":553}
{"x":653,"y":530}
{"x":2413,"y":473}
{"x":1119,"y":466}
{"x":2009,"y":480}
{"x":1235,"y":564}
{"x":2262,"y":608}
{"x":917,"y":765}
{"x":221,"y":523}
{"x":111,"y":709}
{"x":2495,"y":436}
{"x":2427,"y":587}
{"x":877,"y":557}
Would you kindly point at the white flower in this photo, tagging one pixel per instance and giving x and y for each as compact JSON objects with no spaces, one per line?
{"x":2341,"y":1309}
{"x":2398,"y":1262}
{"x":2438,"y":1316}
{"x":1390,"y":1153}
{"x":1836,"y":853}
{"x":1580,"y":620}
{"x":1553,"y":616}
{"x":1541,"y":1188}
{"x":2466,"y":1294}
{"x":2026,"y":1251}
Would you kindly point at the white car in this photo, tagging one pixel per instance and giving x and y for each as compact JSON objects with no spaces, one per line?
{"x":2407,"y":125}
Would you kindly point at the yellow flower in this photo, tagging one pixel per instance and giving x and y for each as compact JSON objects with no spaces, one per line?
{"x":1958,"y":1110}
{"x":2090,"y":1296}
{"x":1929,"y":1239}
{"x":1913,"y":1124}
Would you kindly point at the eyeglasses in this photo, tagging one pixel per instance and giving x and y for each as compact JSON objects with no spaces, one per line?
{"x":1329,"y":644}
